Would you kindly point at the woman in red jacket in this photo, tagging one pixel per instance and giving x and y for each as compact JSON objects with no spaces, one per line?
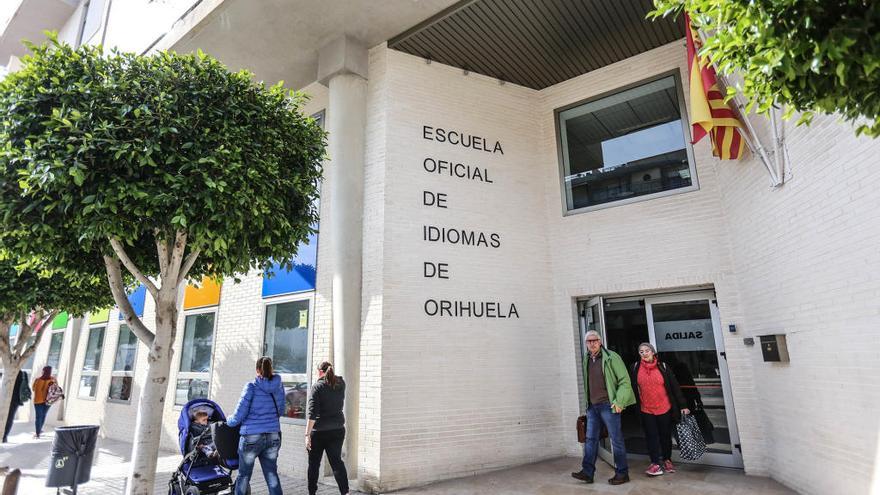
{"x":661,"y":404}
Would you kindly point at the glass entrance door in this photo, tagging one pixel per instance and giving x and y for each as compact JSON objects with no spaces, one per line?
{"x":685,"y":329}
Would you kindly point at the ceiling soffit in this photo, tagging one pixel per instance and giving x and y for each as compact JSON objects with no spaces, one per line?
{"x":537,"y":43}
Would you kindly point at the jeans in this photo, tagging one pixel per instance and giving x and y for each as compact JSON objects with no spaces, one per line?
{"x":40,"y":417}
{"x":331,"y":441}
{"x":250,"y":447}
{"x":597,"y":413}
{"x":658,"y":435}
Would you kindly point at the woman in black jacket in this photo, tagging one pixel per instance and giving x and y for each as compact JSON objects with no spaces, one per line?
{"x":326,"y":428}
{"x":661,"y":405}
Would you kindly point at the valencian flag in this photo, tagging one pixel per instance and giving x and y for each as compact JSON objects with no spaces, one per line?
{"x":710,"y":114}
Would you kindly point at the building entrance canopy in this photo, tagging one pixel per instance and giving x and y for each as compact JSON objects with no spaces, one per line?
{"x":538,"y":44}
{"x":533,"y":44}
{"x":280,"y":39}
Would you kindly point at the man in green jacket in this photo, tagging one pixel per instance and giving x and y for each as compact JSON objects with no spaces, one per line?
{"x":607,"y":391}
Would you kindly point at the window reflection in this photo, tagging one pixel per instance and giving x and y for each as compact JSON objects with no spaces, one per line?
{"x":287,"y":336}
{"x":625,"y":145}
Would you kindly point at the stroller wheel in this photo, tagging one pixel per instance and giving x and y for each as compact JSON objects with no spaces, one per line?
{"x":191,"y":490}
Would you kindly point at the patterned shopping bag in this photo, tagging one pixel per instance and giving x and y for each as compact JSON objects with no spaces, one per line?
{"x":689,"y":439}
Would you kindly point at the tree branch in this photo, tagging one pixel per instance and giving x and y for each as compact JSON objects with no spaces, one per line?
{"x":162,"y":249}
{"x":5,"y":347}
{"x":24,"y":333}
{"x":187,"y":265}
{"x":119,"y":249}
{"x":39,"y":331}
{"x":176,"y":256}
{"x":114,"y":276}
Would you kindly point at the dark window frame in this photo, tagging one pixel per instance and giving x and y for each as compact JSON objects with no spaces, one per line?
{"x":686,"y":127}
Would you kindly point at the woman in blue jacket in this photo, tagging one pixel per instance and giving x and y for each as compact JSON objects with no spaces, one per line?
{"x":257,"y":413}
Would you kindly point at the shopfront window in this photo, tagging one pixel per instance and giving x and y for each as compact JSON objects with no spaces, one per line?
{"x":55,"y":344}
{"x":625,"y":147}
{"x":194,"y":377}
{"x":287,"y":343}
{"x":123,"y":365}
{"x":88,"y":382}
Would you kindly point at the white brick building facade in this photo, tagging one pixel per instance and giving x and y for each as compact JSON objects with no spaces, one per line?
{"x":443,"y":397}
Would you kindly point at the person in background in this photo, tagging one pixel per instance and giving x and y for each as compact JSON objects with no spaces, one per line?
{"x":661,"y":403}
{"x":325,"y":430}
{"x":41,"y":394}
{"x":14,"y":403}
{"x":607,"y":391}
{"x":257,"y":414}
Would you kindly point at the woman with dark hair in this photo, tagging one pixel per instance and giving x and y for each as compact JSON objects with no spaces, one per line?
{"x":326,"y":428}
{"x":257,"y":413}
{"x":41,"y":399}
{"x":661,"y":403}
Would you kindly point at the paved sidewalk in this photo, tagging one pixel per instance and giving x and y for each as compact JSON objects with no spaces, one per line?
{"x":553,"y":477}
{"x":544,"y":478}
{"x":110,"y":467}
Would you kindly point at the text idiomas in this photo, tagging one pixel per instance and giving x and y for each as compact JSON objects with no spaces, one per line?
{"x":456,"y":235}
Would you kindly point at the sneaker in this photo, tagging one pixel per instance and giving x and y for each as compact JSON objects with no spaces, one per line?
{"x":654,"y":470}
{"x":580,"y":475}
{"x":619,"y":479}
{"x":668,"y":466}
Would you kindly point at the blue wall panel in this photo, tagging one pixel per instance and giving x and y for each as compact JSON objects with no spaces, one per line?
{"x":137,"y":300}
{"x":301,"y":278}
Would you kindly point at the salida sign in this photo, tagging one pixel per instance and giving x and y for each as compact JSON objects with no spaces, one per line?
{"x":684,"y":335}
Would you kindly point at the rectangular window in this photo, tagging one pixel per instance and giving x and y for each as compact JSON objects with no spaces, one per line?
{"x":287,"y":343}
{"x":194,"y":377}
{"x":88,"y":382}
{"x":55,"y":344}
{"x":123,"y":365}
{"x":92,"y":19}
{"x":625,"y":147}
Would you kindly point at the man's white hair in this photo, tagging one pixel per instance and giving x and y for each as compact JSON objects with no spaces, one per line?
{"x":592,"y":333}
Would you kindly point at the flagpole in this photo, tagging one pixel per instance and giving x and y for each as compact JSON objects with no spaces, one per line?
{"x":750,"y":137}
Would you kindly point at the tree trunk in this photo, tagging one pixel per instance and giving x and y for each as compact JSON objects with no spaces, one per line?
{"x":13,"y":357}
{"x":10,"y":372}
{"x":148,"y":429}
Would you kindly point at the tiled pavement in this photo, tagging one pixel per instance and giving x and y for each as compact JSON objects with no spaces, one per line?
{"x":110,"y":467}
{"x":543,"y":478}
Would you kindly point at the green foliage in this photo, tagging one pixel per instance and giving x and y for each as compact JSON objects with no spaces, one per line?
{"x":26,"y":285}
{"x":96,"y":146}
{"x":809,"y":55}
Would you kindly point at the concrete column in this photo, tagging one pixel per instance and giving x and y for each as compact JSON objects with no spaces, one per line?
{"x":342,"y":66}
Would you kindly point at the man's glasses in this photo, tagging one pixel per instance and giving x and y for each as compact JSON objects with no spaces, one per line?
{"x":593,"y":340}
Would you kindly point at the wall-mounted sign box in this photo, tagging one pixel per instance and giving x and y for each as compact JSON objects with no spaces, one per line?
{"x":774,"y":348}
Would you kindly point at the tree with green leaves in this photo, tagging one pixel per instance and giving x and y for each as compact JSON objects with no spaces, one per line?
{"x":31,"y":295}
{"x":168,"y":167}
{"x":807,"y":56}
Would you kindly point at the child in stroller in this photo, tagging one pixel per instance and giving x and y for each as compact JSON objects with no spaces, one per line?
{"x":200,"y":435}
{"x":209,"y":448}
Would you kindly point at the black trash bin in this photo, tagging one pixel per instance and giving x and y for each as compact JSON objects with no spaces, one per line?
{"x":72,"y":453}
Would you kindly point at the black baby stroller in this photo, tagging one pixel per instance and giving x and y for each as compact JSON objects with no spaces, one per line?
{"x":199,"y":473}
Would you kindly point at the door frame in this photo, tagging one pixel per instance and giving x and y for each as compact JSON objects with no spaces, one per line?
{"x":732,"y":460}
